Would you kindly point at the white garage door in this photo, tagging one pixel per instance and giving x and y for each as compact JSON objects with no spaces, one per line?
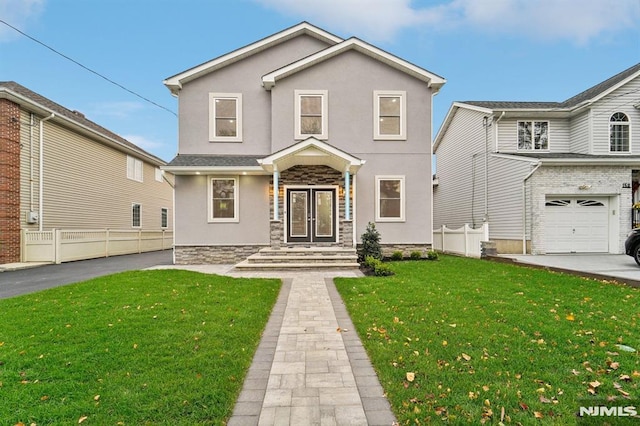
{"x":577,"y":225}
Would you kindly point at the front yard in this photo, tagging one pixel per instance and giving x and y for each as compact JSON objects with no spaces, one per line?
{"x":470,"y":341}
{"x":150,"y":347}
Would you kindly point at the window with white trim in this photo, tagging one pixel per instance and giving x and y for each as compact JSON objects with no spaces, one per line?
{"x":158,"y":174}
{"x":389,"y":115}
{"x":164,"y":217}
{"x":533,"y":135}
{"x":223,"y":199}
{"x":225,"y":115}
{"x":390,"y":199}
{"x":311,"y":114}
{"x":134,"y":169}
{"x":619,"y":132}
{"x":136,"y":215}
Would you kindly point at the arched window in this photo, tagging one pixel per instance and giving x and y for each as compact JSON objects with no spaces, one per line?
{"x":619,"y":132}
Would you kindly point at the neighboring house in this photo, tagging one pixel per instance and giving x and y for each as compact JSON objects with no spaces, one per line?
{"x":60,"y":170}
{"x":298,"y":141}
{"x":561,"y":177}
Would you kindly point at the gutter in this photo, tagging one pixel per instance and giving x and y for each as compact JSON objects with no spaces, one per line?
{"x":524,"y":206}
{"x":41,"y":168}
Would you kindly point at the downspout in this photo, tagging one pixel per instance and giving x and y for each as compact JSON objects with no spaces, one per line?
{"x":30,"y":161}
{"x":497,"y":120}
{"x":41,"y":166}
{"x":524,"y":206}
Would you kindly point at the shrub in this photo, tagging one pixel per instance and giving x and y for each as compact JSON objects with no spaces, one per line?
{"x":432,"y":255}
{"x":376,"y":267}
{"x":371,"y":243}
{"x":397,"y":255}
{"x":415,"y":255}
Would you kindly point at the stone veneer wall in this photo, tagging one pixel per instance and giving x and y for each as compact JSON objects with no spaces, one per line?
{"x":406,"y":249}
{"x":205,"y":255}
{"x":9,"y":182}
{"x":310,"y":175}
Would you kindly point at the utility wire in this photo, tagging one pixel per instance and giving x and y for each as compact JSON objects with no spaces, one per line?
{"x":89,"y":69}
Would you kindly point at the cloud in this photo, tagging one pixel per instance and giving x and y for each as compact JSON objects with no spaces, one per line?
{"x":144,"y":143}
{"x":578,"y":21}
{"x":18,"y":13}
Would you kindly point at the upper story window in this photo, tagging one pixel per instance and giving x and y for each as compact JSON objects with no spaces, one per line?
{"x":225,"y":112}
{"x":223,"y":196}
{"x":619,"y":132}
{"x":158,"y":174}
{"x":311,"y":110}
{"x":533,"y":135}
{"x":134,"y":169}
{"x":389,"y":115}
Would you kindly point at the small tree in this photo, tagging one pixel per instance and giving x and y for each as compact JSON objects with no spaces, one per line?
{"x":371,"y":243}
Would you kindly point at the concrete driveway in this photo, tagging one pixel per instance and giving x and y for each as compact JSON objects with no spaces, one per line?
{"x":619,"y":267}
{"x":14,"y":283}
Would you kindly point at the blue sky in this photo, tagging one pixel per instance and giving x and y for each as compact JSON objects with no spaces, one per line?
{"x":533,"y":50}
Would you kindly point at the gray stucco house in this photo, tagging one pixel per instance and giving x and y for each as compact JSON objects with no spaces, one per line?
{"x":549,"y":177}
{"x":292,"y":144}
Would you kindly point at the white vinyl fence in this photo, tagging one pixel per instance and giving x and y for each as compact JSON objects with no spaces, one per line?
{"x":60,"y":245}
{"x":464,"y":241}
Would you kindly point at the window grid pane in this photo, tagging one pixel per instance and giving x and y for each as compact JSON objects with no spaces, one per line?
{"x":223,"y":201}
{"x":135,"y":215}
{"x":390,"y":198}
{"x":311,"y":115}
{"x":164,"y":215}
{"x":226,"y":117}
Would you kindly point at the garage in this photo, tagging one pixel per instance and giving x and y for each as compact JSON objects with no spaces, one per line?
{"x":577,"y":224}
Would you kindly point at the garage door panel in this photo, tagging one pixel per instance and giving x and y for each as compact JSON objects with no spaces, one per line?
{"x":576,"y":225}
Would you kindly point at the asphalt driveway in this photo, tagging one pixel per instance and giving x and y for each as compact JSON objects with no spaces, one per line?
{"x":618,"y":267}
{"x":14,"y":283}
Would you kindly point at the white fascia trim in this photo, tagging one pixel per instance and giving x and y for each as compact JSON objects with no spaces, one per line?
{"x":174,"y":83}
{"x":590,"y":161}
{"x":267,"y":162}
{"x":449,"y":117}
{"x":434,"y":81}
{"x":191,"y":170}
{"x":613,"y":88}
{"x":514,"y":158}
{"x":12,"y":96}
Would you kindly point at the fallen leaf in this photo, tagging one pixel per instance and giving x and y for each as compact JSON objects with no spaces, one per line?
{"x":466,"y":357}
{"x":625,"y":377}
{"x":82,"y":419}
{"x":538,"y":415}
{"x":545,"y":400}
{"x":594,"y":384}
{"x":444,"y":343}
{"x":575,"y":372}
{"x":571,"y":317}
{"x":44,"y":398}
{"x":396,"y":320}
{"x":485,"y":388}
{"x":411,"y":377}
{"x":524,"y":406}
{"x":96,"y":398}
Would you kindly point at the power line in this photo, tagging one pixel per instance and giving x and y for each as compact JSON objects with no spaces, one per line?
{"x":89,"y":69}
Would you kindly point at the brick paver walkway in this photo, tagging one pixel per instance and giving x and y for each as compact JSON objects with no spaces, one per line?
{"x":310,"y":367}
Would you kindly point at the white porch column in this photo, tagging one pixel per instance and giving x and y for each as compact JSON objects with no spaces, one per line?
{"x":347,"y":195}
{"x":276,"y":192}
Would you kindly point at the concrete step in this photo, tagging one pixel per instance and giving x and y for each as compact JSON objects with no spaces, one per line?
{"x":308,"y":251}
{"x":301,"y":258}
{"x":246,"y":265}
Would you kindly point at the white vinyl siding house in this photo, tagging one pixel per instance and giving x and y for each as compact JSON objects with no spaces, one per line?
{"x":574,"y":196}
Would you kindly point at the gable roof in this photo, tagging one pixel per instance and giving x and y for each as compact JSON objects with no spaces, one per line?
{"x":433,"y":80}
{"x":586,"y":97}
{"x":174,"y":83}
{"x":37,"y":103}
{"x":312,"y":151}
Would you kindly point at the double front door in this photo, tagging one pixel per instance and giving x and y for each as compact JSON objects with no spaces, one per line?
{"x":311,"y":215}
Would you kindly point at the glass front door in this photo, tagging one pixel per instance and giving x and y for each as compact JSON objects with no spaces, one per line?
{"x":311,"y":215}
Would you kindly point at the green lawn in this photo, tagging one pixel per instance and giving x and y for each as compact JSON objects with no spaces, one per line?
{"x":148,"y":347}
{"x":470,"y":341}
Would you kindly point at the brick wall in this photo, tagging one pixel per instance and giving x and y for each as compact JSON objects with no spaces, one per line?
{"x":9,"y":182}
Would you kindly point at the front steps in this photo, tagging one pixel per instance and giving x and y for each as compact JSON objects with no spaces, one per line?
{"x":301,"y":258}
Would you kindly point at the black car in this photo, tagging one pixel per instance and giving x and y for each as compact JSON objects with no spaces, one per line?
{"x":632,"y":245}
